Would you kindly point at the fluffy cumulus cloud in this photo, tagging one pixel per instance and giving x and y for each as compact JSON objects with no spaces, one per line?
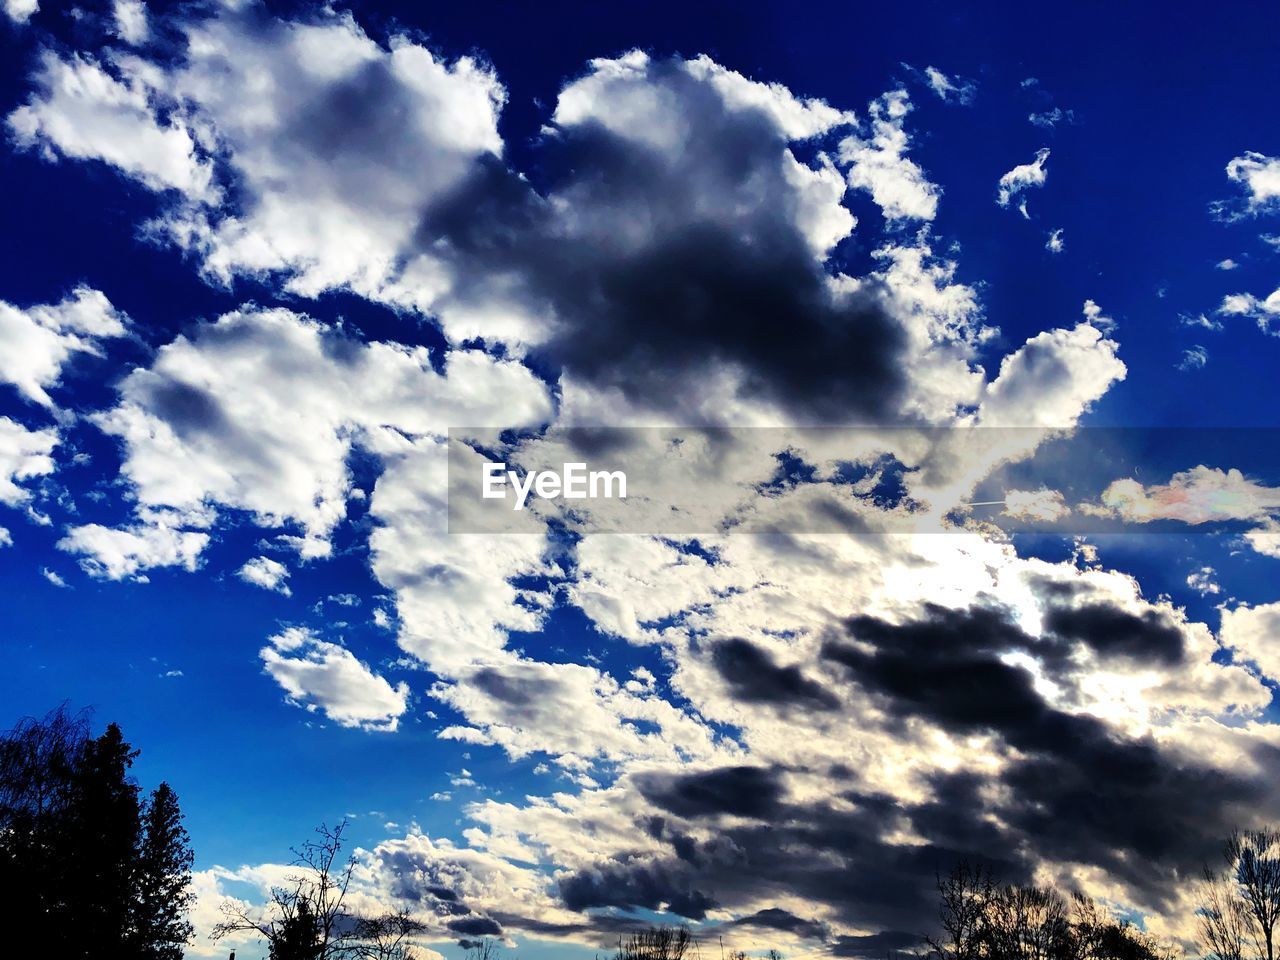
{"x":20,"y":11}
{"x":879,"y":165}
{"x":266,"y":573}
{"x":131,"y":21}
{"x":1021,"y":178}
{"x":1265,"y":311}
{"x":36,"y":343}
{"x":1196,"y":496}
{"x":328,"y":678}
{"x":791,"y":732}
{"x":1259,"y":176}
{"x":24,"y":454}
{"x":87,"y":109}
{"x":259,"y":410}
{"x":120,"y":553}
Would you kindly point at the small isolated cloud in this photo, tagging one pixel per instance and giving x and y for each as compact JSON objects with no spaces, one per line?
{"x":1048,"y":119}
{"x":1023,"y":177}
{"x":1199,"y":320}
{"x":1204,"y":581}
{"x":1043,"y":504}
{"x":1259,"y":175}
{"x":1264,"y":312}
{"x":1193,"y":358}
{"x":1227,"y":264}
{"x":131,"y":21}
{"x":53,"y":577}
{"x":20,"y":11}
{"x":1055,"y":243}
{"x":950,"y":89}
{"x":266,"y":573}
{"x":327,"y":677}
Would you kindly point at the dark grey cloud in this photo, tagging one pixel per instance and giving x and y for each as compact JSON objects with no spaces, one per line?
{"x":775,"y":918}
{"x":632,"y":882}
{"x":476,"y":927}
{"x":1071,"y":789}
{"x":1079,"y":790}
{"x":1114,"y":632}
{"x":754,"y":677}
{"x":737,"y":791}
{"x":875,"y":945}
{"x":660,"y":270}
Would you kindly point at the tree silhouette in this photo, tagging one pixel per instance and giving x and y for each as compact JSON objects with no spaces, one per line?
{"x":76,"y":852}
{"x":105,"y":828}
{"x":386,"y":937}
{"x":307,"y":918}
{"x":1240,"y":903}
{"x":656,"y":943}
{"x":163,"y":880}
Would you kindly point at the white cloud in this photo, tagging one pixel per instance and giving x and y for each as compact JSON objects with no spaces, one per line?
{"x":36,"y":343}
{"x":159,"y":540}
{"x":90,"y":110}
{"x":1199,"y":320}
{"x":1265,"y":538}
{"x":1204,"y":581}
{"x":1264,"y":312}
{"x":335,"y":144}
{"x":1227,"y":264}
{"x":20,"y":11}
{"x":1023,"y":177}
{"x":878,"y":163}
{"x":1250,"y":633}
{"x":1260,"y":177}
{"x":949,"y":88}
{"x":53,"y":577}
{"x":326,"y":677}
{"x":1055,"y":243}
{"x":1043,"y":504}
{"x":266,"y":573}
{"x":1199,"y":495}
{"x":1052,"y":379}
{"x":24,"y":455}
{"x":1048,"y":119}
{"x":1193,"y":358}
{"x":131,"y":21}
{"x":259,"y":410}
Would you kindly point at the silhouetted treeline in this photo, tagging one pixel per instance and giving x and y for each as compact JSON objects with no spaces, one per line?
{"x":94,"y":869}
{"x":981,"y":920}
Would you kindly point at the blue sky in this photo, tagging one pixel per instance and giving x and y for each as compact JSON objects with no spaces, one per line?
{"x":285,"y":248}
